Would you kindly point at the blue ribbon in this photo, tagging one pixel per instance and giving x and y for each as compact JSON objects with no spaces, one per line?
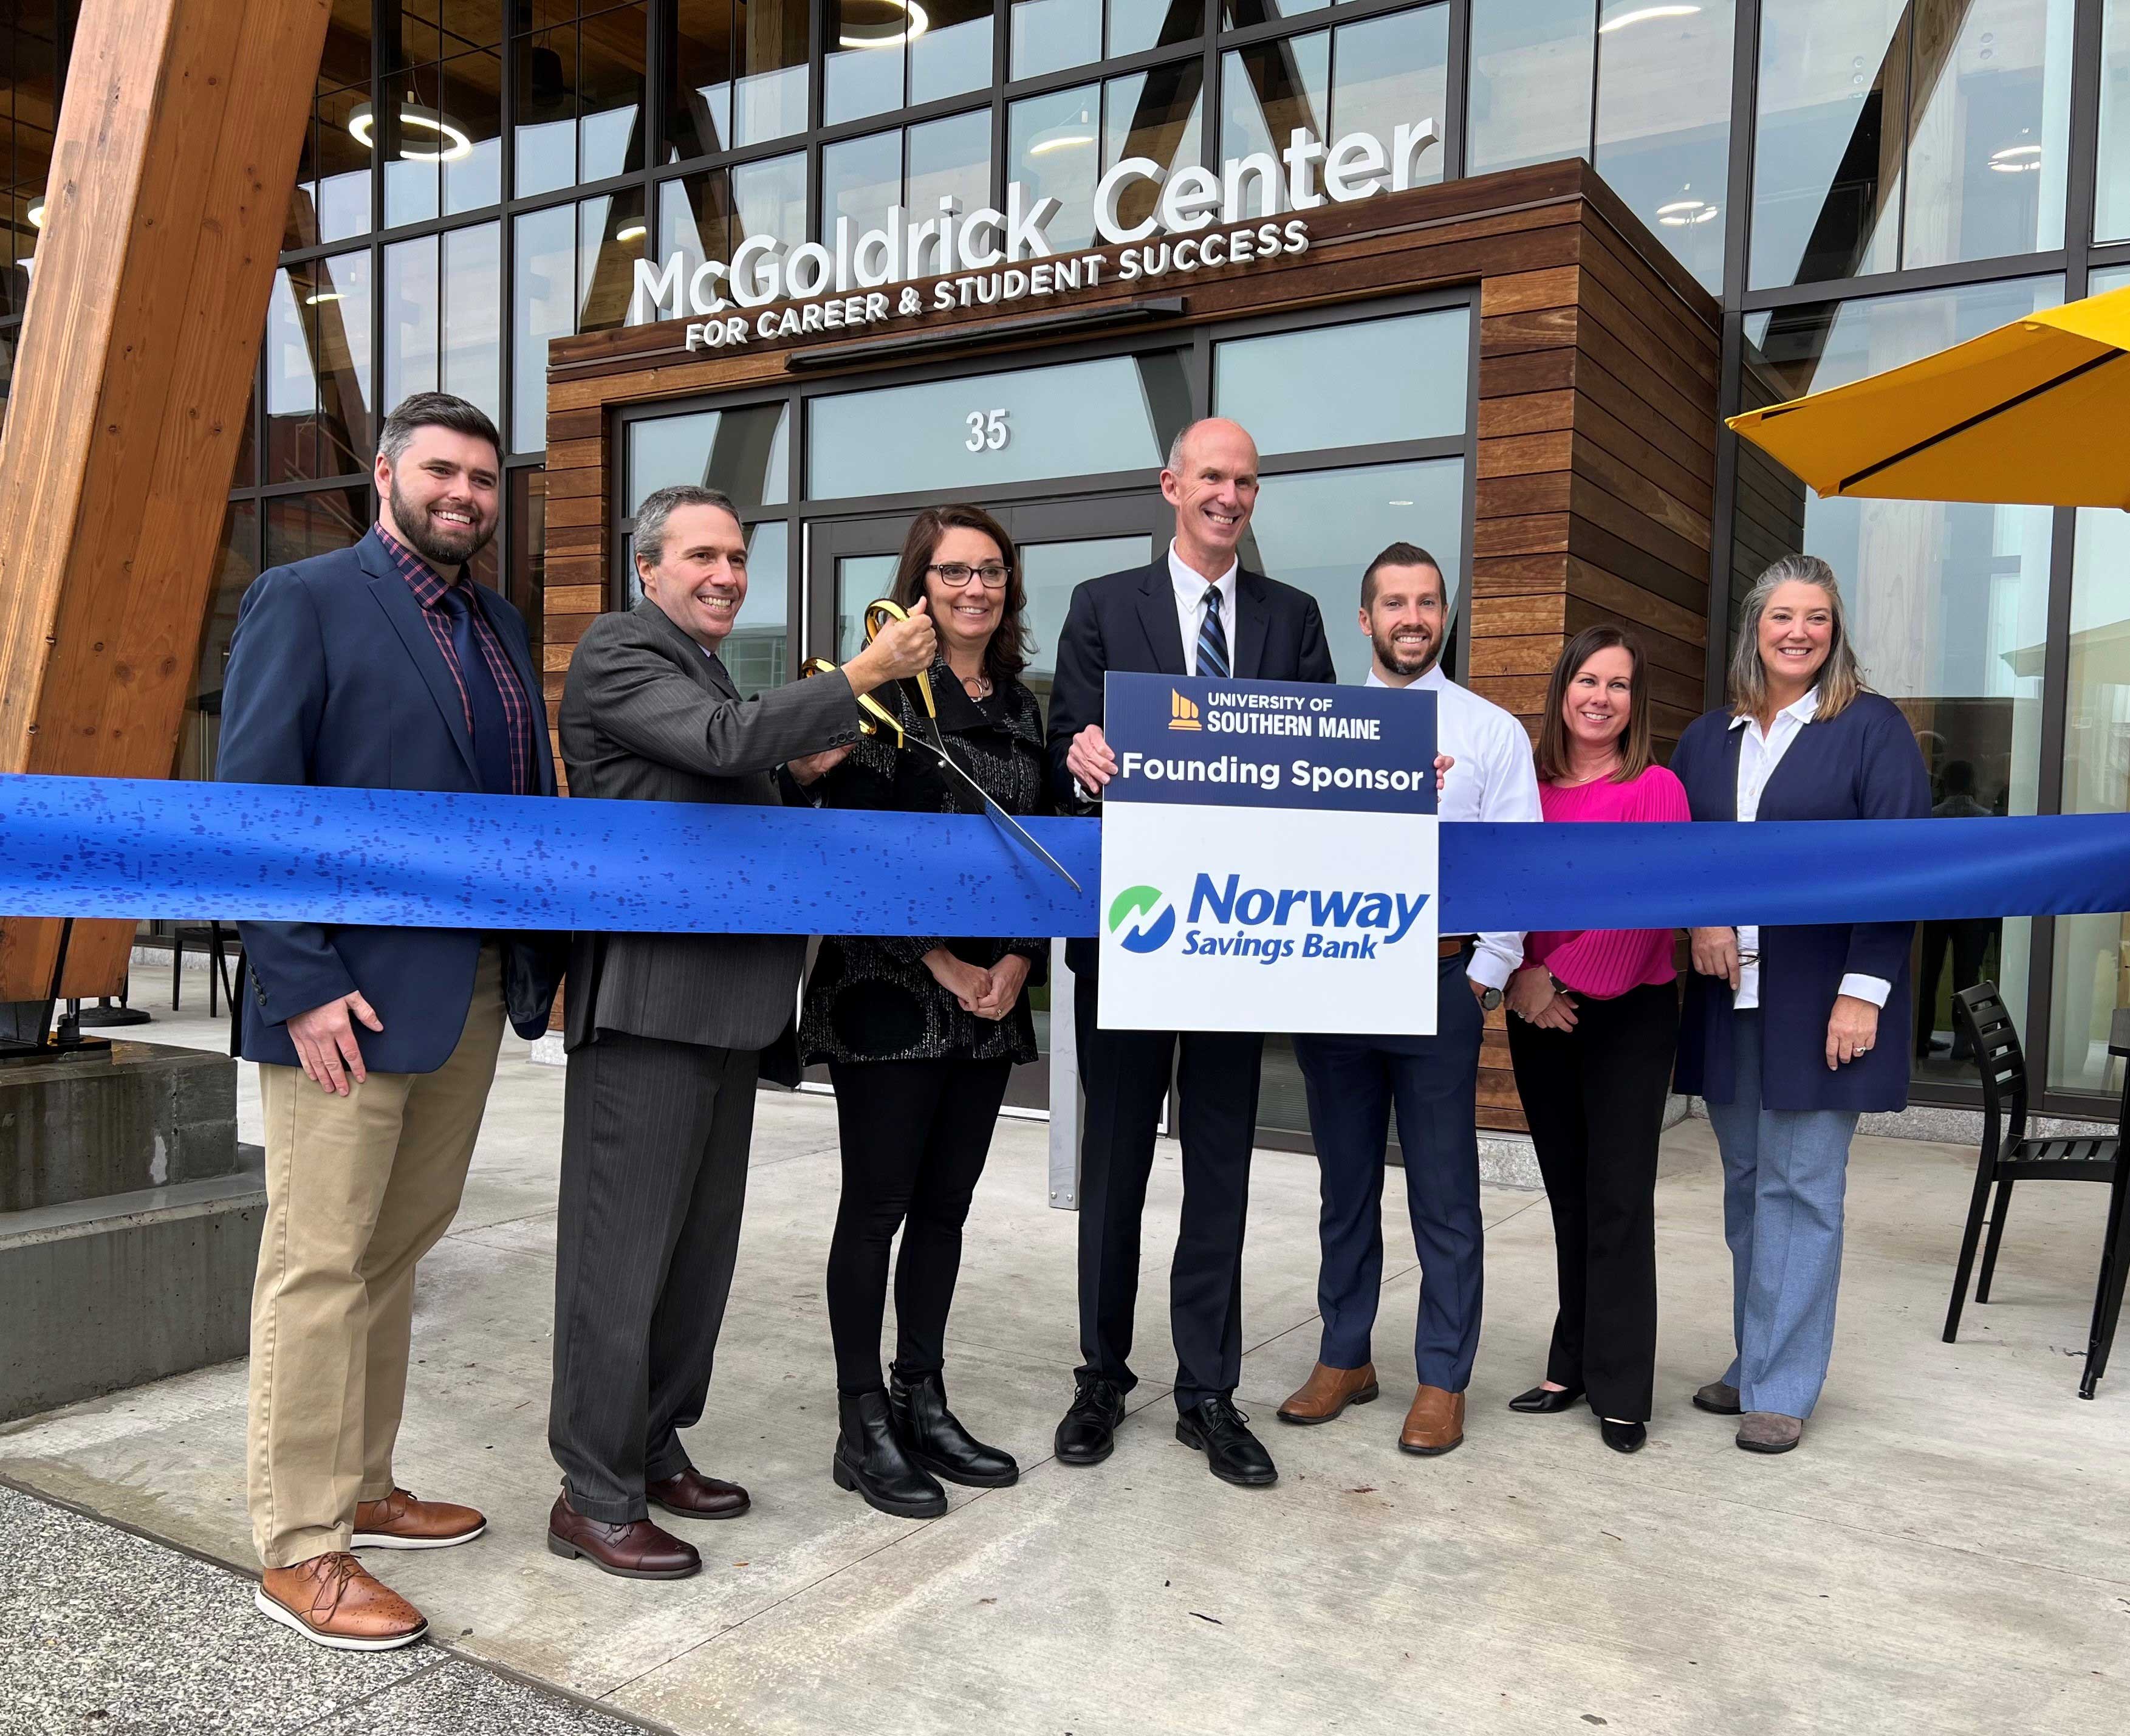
{"x":128,"y":847}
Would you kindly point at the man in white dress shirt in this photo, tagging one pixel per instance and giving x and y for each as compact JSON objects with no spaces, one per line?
{"x":1355,"y":1082}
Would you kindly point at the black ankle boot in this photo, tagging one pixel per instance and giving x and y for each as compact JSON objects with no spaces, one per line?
{"x":936,"y":1442}
{"x":870,"y":1460}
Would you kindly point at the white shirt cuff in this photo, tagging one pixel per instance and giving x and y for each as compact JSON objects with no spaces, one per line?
{"x":1495,"y":960}
{"x":1873,"y":989}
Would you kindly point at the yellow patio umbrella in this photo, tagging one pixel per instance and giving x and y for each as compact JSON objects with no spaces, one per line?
{"x":2032,"y":413}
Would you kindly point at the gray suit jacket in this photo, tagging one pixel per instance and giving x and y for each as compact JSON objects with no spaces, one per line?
{"x":648,"y":715}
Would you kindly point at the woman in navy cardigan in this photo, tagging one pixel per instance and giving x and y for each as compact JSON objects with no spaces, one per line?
{"x":1781,"y":1030}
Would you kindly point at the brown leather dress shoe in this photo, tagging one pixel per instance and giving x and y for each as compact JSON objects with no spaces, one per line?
{"x":332,"y":1602}
{"x":1435,"y":1424}
{"x":636,"y":1551}
{"x":1328,"y":1391}
{"x":400,"y":1521}
{"x":694,"y":1496}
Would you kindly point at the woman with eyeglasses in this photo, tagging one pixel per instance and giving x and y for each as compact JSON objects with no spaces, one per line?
{"x":920,"y":1034}
{"x":1781,"y":1031}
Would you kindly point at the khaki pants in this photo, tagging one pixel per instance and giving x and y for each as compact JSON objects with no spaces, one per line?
{"x":358,"y":1188}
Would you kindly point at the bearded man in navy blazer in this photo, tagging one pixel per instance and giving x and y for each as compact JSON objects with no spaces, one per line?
{"x":380,"y":666}
{"x":1195,"y":611}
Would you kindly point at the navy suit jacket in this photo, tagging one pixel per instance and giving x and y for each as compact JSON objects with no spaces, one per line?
{"x":1863,"y":764}
{"x":334,"y":678}
{"x":1126,"y":621}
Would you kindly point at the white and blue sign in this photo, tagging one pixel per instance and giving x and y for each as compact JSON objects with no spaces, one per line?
{"x":1268,"y":856}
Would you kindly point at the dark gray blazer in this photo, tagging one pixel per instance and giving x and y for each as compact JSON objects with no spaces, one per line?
{"x":648,"y":715}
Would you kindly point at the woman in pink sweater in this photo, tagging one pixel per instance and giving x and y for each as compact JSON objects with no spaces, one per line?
{"x":1594,"y":1021}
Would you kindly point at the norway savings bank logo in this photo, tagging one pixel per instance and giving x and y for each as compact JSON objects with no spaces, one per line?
{"x":1142,"y":900}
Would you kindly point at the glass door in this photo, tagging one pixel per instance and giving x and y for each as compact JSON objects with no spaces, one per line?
{"x":1059,"y":542}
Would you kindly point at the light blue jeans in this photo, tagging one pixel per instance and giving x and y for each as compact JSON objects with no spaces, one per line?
{"x":1785,"y":1173}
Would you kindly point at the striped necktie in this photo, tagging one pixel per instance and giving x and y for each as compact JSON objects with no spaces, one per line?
{"x":1212,"y":637}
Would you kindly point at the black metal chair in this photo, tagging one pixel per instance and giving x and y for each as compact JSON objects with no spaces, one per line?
{"x":220,"y":942}
{"x":2008,"y":1155}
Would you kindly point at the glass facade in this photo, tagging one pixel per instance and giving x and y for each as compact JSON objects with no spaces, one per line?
{"x":1857,"y":182}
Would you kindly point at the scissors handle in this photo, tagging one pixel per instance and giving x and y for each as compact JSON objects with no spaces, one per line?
{"x":878,"y":613}
{"x":877,"y":718}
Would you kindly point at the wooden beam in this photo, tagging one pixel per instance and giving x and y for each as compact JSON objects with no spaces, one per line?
{"x":179,"y":135}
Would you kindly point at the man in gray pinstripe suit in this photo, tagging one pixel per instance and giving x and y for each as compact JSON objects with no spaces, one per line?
{"x":664,"y":1035}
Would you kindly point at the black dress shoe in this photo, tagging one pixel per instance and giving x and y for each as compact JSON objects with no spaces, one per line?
{"x":1087,"y":1434}
{"x":1540,"y":1402}
{"x":870,"y":1460}
{"x":935,"y":1441}
{"x":1623,"y":1437}
{"x":1233,"y":1454}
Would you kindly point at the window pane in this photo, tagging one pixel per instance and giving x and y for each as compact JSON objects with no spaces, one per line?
{"x":1355,"y":384}
{"x":859,"y":579}
{"x":863,"y":74}
{"x":860,"y":179}
{"x":693,"y":220}
{"x":472,"y":87}
{"x":1392,"y":72}
{"x":954,"y":55}
{"x":770,"y":100}
{"x":1049,"y":34}
{"x":236,"y":566}
{"x":1138,"y":24}
{"x":1269,"y":90}
{"x":1242,"y":14}
{"x":1155,"y":114}
{"x":755,"y":652}
{"x":741,"y":453}
{"x":1050,"y":573}
{"x":1988,"y":142}
{"x":292,"y":381}
{"x":1320,"y":528}
{"x":2092,"y":974}
{"x":544,"y":291}
{"x":1948,"y":608}
{"x":610,"y":108}
{"x":699,"y":63}
{"x":342,"y":163}
{"x":769,"y":197}
{"x":471,"y":359}
{"x":1052,"y":146}
{"x":298,"y":526}
{"x":338,"y":326}
{"x":610,"y":237}
{"x":409,"y":135}
{"x":2111,"y":216}
{"x":1530,"y":98}
{"x":412,"y":318}
{"x":544,"y":143}
{"x":525,"y":584}
{"x":950,"y":159}
{"x":1663,"y":126}
{"x":1827,"y":139}
{"x":1081,"y":418}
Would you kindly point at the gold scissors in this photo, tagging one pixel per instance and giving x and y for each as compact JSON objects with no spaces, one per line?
{"x":878,"y":719}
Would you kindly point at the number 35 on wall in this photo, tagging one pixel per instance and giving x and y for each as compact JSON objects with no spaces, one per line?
{"x":987,"y":431}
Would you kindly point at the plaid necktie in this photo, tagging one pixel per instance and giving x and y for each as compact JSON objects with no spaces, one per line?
{"x":1212,"y":637}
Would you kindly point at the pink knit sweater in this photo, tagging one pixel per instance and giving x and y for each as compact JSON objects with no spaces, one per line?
{"x":1602,"y":963}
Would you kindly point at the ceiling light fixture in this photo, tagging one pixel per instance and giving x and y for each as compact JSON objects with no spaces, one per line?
{"x":634,"y":232}
{"x":1644,"y":14}
{"x":2016,"y":159}
{"x":320,"y":297}
{"x":892,"y":23}
{"x":36,"y":214}
{"x":361,"y":121}
{"x":1679,"y":213}
{"x":1065,"y":136}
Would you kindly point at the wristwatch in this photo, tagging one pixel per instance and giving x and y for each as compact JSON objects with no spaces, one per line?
{"x":1490,"y":999}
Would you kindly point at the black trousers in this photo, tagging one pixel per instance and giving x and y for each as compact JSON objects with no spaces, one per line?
{"x":1970,"y":940}
{"x":654,"y":1139}
{"x":914,"y":1136}
{"x":1595,"y":1099}
{"x":1125,"y":1075}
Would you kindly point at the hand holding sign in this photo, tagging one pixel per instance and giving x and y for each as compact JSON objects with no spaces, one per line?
{"x":1090,"y":760}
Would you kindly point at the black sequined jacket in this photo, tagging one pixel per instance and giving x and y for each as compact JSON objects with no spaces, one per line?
{"x":870,"y":997}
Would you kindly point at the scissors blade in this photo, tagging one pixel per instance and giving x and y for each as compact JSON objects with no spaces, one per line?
{"x":1000,"y":815}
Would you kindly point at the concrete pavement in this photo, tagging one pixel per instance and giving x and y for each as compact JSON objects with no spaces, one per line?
{"x":1945,"y":1553}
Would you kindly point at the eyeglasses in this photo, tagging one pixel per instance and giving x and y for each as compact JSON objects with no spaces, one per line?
{"x":957,"y":573}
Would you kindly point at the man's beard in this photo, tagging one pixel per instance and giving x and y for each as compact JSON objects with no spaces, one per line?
{"x":1404,"y":662}
{"x":439,"y":547}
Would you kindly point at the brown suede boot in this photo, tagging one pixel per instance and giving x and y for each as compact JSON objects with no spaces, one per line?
{"x":1328,"y":1391}
{"x":332,"y":1602}
{"x":1435,"y":1424}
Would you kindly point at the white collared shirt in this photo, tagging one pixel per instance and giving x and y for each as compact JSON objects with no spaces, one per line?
{"x":1494,"y":779}
{"x":1190,"y":606}
{"x":1759,"y":754}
